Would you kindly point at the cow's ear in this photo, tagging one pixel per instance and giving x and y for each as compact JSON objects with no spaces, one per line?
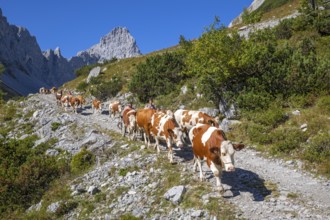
{"x":238,"y":146}
{"x":215,"y":150}
{"x":210,"y":122}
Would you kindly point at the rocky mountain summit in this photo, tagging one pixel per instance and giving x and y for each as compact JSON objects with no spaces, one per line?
{"x":130,"y":180}
{"x":27,"y":68}
{"x":119,"y":43}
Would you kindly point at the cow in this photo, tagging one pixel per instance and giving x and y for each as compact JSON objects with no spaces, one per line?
{"x":42,"y":90}
{"x":210,"y":143}
{"x":129,"y":123}
{"x":143,"y":121}
{"x":164,"y":126}
{"x":114,"y":108}
{"x":53,"y":90}
{"x":65,"y":101}
{"x":74,"y":102}
{"x":189,"y":118}
{"x":81,"y":100}
{"x":97,"y":106}
{"x":58,"y":96}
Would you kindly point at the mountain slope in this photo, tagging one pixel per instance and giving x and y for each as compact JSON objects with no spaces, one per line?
{"x":27,"y":68}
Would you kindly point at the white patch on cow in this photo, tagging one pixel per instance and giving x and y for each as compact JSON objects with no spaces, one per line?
{"x":206,"y":136}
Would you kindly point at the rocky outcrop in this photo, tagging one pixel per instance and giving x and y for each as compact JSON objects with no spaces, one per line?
{"x":27,"y":68}
{"x":119,"y":44}
{"x":254,"y":5}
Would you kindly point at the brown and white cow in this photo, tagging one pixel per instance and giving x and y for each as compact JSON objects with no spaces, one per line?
{"x":53,"y":90}
{"x":164,"y":126}
{"x":114,"y":108}
{"x":210,"y":143}
{"x":143,"y":121}
{"x":65,"y":101}
{"x":189,"y":118}
{"x":97,"y":106}
{"x":129,"y":123}
{"x":74,"y":102}
{"x":81,"y":100}
{"x":58,"y":96}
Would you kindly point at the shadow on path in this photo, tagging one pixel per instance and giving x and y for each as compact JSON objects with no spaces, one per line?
{"x":246,"y":181}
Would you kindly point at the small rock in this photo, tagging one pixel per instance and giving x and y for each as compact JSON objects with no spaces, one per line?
{"x":175,"y":194}
{"x":93,"y":190}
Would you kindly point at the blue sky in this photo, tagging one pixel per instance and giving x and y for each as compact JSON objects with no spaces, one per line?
{"x":75,"y":25}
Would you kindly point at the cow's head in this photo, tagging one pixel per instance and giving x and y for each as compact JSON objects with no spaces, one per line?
{"x":227,"y":154}
{"x":177,"y":135}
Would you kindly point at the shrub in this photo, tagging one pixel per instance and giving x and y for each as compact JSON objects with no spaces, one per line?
{"x":157,"y":76}
{"x":84,"y":71}
{"x":254,"y":100}
{"x":258,"y":133}
{"x":323,"y":104}
{"x":271,"y":117}
{"x":284,"y":140}
{"x":55,"y":126}
{"x":82,"y":86}
{"x":25,"y":173}
{"x":318,"y":149}
{"x":65,"y":207}
{"x":108,"y":89}
{"x":82,"y":161}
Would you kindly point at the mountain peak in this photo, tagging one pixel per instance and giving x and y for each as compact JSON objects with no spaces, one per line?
{"x":118,"y":43}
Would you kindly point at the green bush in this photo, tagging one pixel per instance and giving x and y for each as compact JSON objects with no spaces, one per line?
{"x":55,"y":126}
{"x":254,"y":100}
{"x":258,"y":133}
{"x":82,"y":86}
{"x":159,"y":75}
{"x":318,"y":148}
{"x":9,"y":112}
{"x":66,"y":207}
{"x":323,"y":104}
{"x":25,"y":173}
{"x":84,"y":71}
{"x":82,"y":161}
{"x":285,"y":140}
{"x":105,"y":90}
{"x":271,"y":117}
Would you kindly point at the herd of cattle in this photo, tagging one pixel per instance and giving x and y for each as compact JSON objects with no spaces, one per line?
{"x":207,"y":139}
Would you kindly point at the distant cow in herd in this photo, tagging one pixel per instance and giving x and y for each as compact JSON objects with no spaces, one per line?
{"x":114,"y":108}
{"x":97,"y":106}
{"x":210,"y":143}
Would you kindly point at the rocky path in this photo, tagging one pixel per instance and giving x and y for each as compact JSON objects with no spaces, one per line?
{"x":260,"y":188}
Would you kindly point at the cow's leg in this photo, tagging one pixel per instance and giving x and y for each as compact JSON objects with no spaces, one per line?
{"x":195,"y":164}
{"x":216,"y":169}
{"x":157,"y":145}
{"x":201,"y":175}
{"x":123,"y":129}
{"x":170,"y":150}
